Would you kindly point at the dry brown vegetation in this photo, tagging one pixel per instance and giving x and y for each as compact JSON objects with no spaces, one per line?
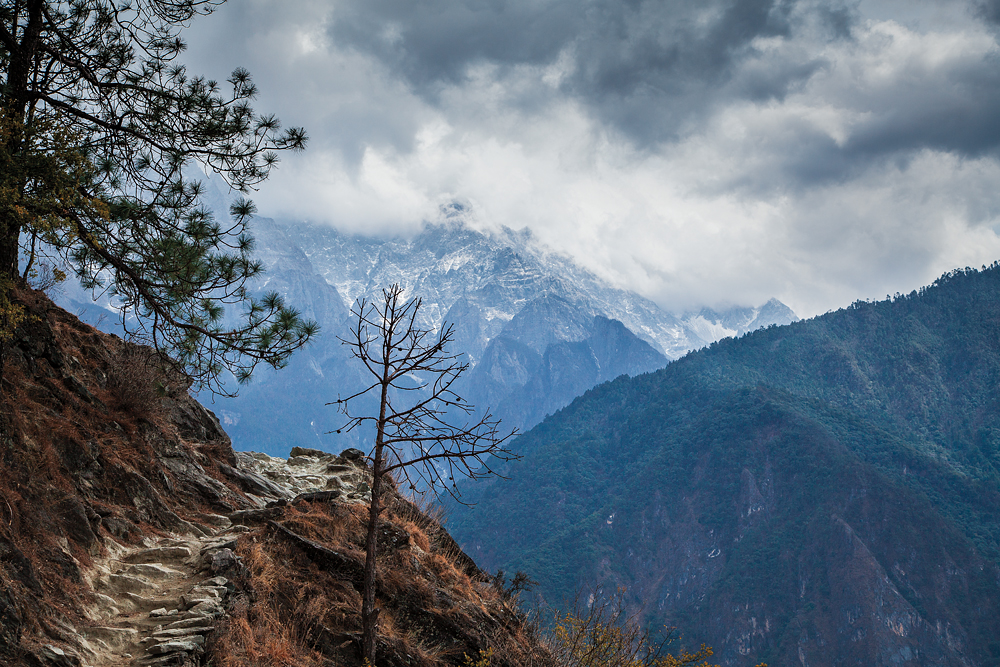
{"x":83,"y":461}
{"x":133,"y":379}
{"x":437,"y":608}
{"x":79,"y":464}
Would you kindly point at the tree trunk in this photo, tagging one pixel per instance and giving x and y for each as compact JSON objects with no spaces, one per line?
{"x":369,"y":615}
{"x":15,"y":105}
{"x":9,"y":235}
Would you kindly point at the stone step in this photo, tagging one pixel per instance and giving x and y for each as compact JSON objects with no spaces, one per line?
{"x":177,"y":633}
{"x":171,"y":542}
{"x":122,"y":584}
{"x":148,"y":604}
{"x":187,"y":645}
{"x":107,"y":607}
{"x":193,"y":600}
{"x":214,"y":520}
{"x":219,"y":582}
{"x":154,"y":571}
{"x":216,"y":591}
{"x":159,"y":554}
{"x":115,"y":638}
{"x":218,"y":543}
{"x":168,"y":660}
{"x":204,"y":609}
{"x":196,"y":528}
{"x":192,"y":622}
{"x":143,"y":603}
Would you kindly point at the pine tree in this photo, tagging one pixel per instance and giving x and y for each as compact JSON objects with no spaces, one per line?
{"x":103,"y":138}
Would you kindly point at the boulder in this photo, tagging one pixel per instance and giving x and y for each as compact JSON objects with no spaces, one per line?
{"x":305,"y":451}
{"x":352,"y":454}
{"x":57,"y":657}
{"x":222,"y":560}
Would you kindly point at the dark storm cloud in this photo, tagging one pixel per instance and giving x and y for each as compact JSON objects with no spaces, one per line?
{"x":990,"y":10}
{"x":818,"y":151}
{"x":435,"y":40}
{"x":962,"y":115}
{"x":646,"y":66}
{"x":651,"y":69}
{"x":953,"y":111}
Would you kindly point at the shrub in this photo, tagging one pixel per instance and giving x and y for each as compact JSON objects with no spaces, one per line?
{"x":602,"y":633}
{"x":134,"y":379}
{"x":12,"y":313}
{"x":483,"y":659}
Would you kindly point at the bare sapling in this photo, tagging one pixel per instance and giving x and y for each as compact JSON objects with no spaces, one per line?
{"x":424,"y":431}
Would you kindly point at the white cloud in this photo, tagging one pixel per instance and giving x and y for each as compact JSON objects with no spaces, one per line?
{"x":821,"y":195}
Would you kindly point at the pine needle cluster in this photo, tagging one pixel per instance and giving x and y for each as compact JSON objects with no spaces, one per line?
{"x":104,"y":140}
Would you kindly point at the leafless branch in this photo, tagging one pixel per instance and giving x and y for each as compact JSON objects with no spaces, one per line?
{"x":420,"y":428}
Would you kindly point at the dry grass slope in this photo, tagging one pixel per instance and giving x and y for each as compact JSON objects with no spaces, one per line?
{"x":98,"y":442}
{"x":437,"y":608}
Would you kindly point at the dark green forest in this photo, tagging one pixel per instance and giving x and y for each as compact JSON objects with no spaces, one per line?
{"x":719,"y":490}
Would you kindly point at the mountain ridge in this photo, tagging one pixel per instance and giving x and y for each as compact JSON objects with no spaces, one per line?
{"x":784,"y":492}
{"x":494,"y":288}
{"x":526,"y":271}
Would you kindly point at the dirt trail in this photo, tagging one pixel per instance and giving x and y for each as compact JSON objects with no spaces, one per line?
{"x":157,"y":601}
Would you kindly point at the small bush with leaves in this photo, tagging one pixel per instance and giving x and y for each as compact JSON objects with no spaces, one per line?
{"x":11,"y":313}
{"x":602,"y":633}
{"x":521,"y":583}
{"x":483,"y":659}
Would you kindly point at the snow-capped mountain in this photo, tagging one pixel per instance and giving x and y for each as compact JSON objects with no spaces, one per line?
{"x":496,"y":275}
{"x":537,"y":329}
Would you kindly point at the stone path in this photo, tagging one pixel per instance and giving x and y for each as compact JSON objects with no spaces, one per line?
{"x":157,"y":601}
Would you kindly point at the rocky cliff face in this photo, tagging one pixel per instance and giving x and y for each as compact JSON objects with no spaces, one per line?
{"x":131,"y":533}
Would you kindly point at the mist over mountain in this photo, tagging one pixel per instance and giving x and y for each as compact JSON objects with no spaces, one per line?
{"x":823,"y":493}
{"x":500,"y":273}
{"x":536,"y":329}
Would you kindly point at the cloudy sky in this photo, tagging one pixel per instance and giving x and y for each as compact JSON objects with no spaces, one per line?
{"x":710,"y":152}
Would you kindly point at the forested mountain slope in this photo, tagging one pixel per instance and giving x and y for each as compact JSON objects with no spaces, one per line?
{"x":820,"y":493}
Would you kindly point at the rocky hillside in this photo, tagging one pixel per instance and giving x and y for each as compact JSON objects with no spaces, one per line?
{"x":131,"y":533}
{"x":824,"y":493}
